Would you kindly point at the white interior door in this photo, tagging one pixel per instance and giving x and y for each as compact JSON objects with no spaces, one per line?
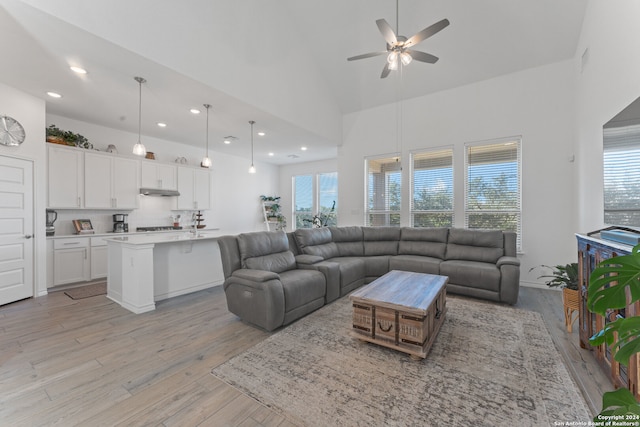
{"x":16,"y":229}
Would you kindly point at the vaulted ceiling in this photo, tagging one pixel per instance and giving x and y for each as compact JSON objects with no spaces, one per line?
{"x":281,"y":63}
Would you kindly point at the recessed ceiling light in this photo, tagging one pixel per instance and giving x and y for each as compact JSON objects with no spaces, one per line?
{"x":195,"y":111}
{"x":54,"y":95}
{"x":271,"y":154}
{"x":261,"y":134}
{"x":303,"y":148}
{"x":229,"y":139}
{"x":162,"y":125}
{"x":78,"y":70}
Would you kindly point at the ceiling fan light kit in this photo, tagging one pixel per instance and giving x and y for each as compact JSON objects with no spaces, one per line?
{"x":398,"y":46}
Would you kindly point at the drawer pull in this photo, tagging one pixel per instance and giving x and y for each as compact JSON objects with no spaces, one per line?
{"x":383,"y":329}
{"x":72,"y":243}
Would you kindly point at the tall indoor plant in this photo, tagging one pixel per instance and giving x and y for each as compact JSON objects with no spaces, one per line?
{"x":608,"y":285}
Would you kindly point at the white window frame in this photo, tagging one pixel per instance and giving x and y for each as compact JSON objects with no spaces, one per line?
{"x":412,"y":210}
{"x":517,"y":140}
{"x":387,"y":212}
{"x":315,"y":200}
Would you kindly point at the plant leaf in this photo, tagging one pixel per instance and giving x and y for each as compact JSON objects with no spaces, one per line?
{"x":618,"y":402}
{"x":609,"y":280}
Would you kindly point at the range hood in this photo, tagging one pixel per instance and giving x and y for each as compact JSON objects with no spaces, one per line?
{"x":159,"y":192}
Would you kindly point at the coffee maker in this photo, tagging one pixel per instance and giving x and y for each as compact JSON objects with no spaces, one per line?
{"x":51,"y":218}
{"x":120,"y":224}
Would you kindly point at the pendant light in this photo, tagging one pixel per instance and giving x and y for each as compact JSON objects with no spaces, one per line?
{"x":139,"y":149}
{"x":252,"y":169}
{"x":206,"y":161}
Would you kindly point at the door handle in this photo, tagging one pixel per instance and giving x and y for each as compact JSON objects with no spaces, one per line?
{"x":28,"y":236}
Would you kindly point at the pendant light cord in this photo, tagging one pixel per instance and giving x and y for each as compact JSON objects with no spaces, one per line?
{"x":251,"y":123}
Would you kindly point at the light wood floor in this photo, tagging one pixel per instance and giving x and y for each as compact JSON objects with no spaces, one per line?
{"x":91,"y":362}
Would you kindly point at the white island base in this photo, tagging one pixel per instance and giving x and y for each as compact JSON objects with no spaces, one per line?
{"x":144,"y":269}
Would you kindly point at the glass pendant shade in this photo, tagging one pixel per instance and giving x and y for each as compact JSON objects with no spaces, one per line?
{"x":252,"y":169}
{"x":206,"y":161}
{"x":139,"y":149}
{"x":406,"y":58}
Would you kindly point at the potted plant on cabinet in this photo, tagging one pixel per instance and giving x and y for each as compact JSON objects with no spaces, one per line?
{"x":566,"y":278}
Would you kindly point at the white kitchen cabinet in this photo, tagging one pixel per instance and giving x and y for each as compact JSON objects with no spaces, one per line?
{"x":158,"y":175}
{"x":71,"y":260}
{"x":99,"y":261}
{"x":194,"y":186}
{"x":66,"y":177}
{"x":110,"y":182}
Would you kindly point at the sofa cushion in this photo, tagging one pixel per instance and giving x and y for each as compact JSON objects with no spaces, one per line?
{"x":277,"y":263}
{"x":351,"y":269}
{"x":301,"y":287}
{"x":380,"y":240}
{"x":415,"y":263}
{"x":474,"y":274}
{"x":475,"y":245}
{"x":348,"y":240}
{"x":266,"y":250}
{"x":431,"y":242}
{"x":376,"y":266}
{"x":316,"y":241}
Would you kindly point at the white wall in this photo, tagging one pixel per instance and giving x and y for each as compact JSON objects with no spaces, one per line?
{"x":287,"y":172}
{"x":608,"y":82}
{"x":536,"y":104}
{"x":235,"y":194}
{"x":30,"y":112}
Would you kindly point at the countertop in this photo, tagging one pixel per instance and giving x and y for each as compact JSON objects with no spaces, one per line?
{"x":172,"y":237}
{"x":131,"y":233}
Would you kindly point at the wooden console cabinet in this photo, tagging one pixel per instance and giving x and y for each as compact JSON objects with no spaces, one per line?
{"x":592,"y":250}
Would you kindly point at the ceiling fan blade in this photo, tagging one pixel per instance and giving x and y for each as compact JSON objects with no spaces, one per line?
{"x":387,"y":32}
{"x":385,"y":71}
{"x":426,"y":33}
{"x":422,"y":57}
{"x":366,"y":55}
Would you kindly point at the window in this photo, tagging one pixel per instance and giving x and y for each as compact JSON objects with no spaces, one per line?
{"x":492,"y":190}
{"x":432,"y":188}
{"x":622,"y":175}
{"x":384,"y":185}
{"x":315,"y":199}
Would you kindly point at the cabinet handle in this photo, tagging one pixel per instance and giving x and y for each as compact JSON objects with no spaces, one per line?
{"x":79,"y":202}
{"x":85,"y":254}
{"x":28,"y":236}
{"x":72,"y":243}
{"x":159,"y":183}
{"x":195,"y":204}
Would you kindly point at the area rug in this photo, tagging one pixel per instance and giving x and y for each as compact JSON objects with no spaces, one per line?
{"x":87,"y":291}
{"x":490,"y":365}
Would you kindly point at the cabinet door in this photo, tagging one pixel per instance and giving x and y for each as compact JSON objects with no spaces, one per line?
{"x":125,"y":188}
{"x":148,"y":175}
{"x":70,"y":265}
{"x":167,"y":176}
{"x":202,"y":189}
{"x":186,"y":199}
{"x":66,"y":177}
{"x":97,"y":181}
{"x":99,"y":262}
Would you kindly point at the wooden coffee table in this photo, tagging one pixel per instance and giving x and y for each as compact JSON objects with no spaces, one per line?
{"x":401,"y":310}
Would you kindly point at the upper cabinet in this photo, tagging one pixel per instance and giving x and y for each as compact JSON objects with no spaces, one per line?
{"x":66,"y":177}
{"x":158,"y":175}
{"x":194,"y":185}
{"x":110,"y":182}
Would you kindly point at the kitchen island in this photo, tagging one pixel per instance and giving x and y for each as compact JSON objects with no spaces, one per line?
{"x":145,"y":268}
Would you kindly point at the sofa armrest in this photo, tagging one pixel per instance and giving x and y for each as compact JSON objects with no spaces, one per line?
{"x":331,"y":272}
{"x":308,"y":259}
{"x":255,"y":275}
{"x":508,"y":260}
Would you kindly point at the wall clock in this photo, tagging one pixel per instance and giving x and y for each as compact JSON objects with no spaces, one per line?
{"x":11,"y":131}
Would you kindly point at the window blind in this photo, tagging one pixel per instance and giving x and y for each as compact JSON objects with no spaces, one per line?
{"x":622,"y":175}
{"x":384,"y":185}
{"x":493,"y":186}
{"x":302,"y":200}
{"x":432,"y":189}
{"x":328,"y":197}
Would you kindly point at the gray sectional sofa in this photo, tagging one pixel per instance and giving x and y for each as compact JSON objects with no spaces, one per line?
{"x":273,"y":278}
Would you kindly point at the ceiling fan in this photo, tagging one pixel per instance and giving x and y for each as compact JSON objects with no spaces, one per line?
{"x":398,"y":46}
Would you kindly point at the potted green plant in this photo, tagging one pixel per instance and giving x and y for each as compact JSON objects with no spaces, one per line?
{"x":566,"y":278}
{"x":58,"y":136}
{"x":615,"y":284}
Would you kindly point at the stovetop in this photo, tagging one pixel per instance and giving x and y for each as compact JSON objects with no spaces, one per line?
{"x":158,"y":228}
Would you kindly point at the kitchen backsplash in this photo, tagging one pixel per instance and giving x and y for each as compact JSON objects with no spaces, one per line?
{"x":153,"y":211}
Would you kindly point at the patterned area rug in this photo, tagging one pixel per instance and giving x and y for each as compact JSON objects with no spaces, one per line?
{"x":87,"y":291}
{"x":491,"y":365}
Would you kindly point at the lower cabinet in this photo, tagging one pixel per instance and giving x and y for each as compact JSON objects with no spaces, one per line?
{"x":78,"y":259}
{"x":70,"y":261}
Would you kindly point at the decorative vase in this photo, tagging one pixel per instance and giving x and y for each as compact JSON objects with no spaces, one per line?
{"x":571,"y":303}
